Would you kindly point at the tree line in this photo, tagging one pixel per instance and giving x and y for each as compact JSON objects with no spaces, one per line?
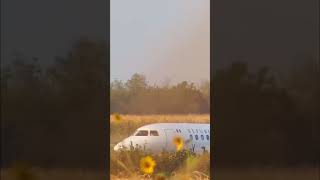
{"x":263,"y":121}
{"x":136,"y":96}
{"x":57,"y":116}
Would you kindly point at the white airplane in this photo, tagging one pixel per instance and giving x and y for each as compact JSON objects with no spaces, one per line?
{"x":159,"y":137}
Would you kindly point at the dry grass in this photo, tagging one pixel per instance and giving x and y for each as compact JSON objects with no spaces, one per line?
{"x":195,"y":118}
{"x":51,"y":174}
{"x":193,"y":168}
{"x":302,"y":173}
{"x":119,"y":129}
{"x":222,"y":174}
{"x":126,"y":165}
{"x":170,"y":165}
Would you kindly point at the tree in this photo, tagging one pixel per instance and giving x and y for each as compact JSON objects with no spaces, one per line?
{"x":137,"y":83}
{"x":253,"y":116}
{"x":205,"y":90}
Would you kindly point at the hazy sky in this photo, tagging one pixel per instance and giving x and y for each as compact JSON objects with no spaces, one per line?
{"x":165,"y":40}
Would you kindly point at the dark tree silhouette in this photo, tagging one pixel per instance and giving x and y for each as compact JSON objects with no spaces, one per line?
{"x":55,"y":117}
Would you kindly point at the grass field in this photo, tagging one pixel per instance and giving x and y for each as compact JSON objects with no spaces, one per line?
{"x":268,"y":173}
{"x":223,"y":174}
{"x":179,"y":165}
{"x":50,"y":174}
{"x":125,"y":165}
{"x":127,"y":124}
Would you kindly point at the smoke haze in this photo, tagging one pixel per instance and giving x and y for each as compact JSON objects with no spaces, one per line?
{"x":166,"y":41}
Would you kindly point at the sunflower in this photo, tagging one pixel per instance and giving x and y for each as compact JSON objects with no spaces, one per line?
{"x":178,"y":142}
{"x":117,"y":117}
{"x":147,"y":165}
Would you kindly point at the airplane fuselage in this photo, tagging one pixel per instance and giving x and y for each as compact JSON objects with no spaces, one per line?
{"x":160,"y":137}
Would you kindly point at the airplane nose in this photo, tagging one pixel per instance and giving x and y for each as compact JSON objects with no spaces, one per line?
{"x":120,"y":145}
{"x":116,"y":147}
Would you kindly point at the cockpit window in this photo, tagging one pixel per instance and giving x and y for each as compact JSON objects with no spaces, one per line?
{"x":142,"y":133}
{"x":154,"y":133}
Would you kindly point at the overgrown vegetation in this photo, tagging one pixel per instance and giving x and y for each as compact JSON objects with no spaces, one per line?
{"x":125,"y":164}
{"x":120,"y":129}
{"x":268,"y":122}
{"x":56,"y":116}
{"x":136,"y":96}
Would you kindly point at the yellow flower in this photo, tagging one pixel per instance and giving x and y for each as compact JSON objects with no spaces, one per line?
{"x":178,"y":142}
{"x":147,"y":165}
{"x":117,"y":117}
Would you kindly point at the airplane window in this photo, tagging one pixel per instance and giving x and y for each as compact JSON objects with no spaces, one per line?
{"x":196,"y":137}
{"x":142,"y":133}
{"x":154,"y":133}
{"x":208,"y":137}
{"x":192,"y":131}
{"x":180,"y":130}
{"x":191,"y":137}
{"x":202,"y":138}
{"x":177,"y":130}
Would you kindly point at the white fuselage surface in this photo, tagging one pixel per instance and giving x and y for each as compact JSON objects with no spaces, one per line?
{"x":159,"y":137}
